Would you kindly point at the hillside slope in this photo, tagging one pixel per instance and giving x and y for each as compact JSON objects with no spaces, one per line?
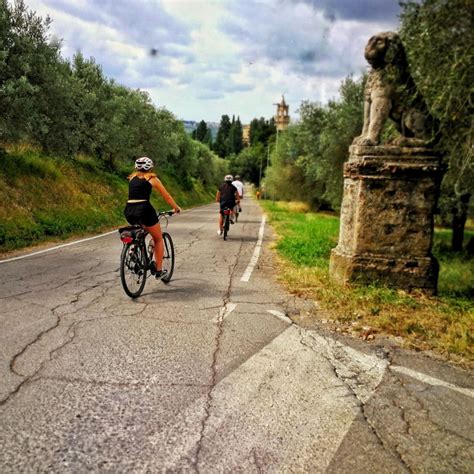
{"x":42,"y":198}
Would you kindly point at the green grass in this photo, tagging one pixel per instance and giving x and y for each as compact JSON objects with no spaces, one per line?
{"x":456,"y":278}
{"x":443,"y":323}
{"x":43,"y":198}
{"x":308,"y":238}
{"x":14,"y":166}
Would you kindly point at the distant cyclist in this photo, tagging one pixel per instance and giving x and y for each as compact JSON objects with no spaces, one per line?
{"x":240,"y":189}
{"x":139,"y":211}
{"x":227,"y":196}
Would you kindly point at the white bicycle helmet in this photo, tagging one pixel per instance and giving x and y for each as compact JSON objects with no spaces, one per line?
{"x":228,"y":177}
{"x":144,"y":164}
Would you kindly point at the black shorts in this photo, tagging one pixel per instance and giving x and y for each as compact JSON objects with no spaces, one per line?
{"x":227,"y":205}
{"x":140,"y":213}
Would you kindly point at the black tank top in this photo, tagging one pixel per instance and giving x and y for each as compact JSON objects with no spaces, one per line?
{"x":139,"y":188}
{"x":228,"y":191}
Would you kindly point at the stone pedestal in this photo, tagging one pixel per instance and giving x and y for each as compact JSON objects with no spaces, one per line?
{"x":386,"y":233}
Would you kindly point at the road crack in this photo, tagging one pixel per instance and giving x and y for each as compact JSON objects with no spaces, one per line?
{"x":44,"y":333}
{"x":16,"y":295}
{"x":410,"y":407}
{"x":220,"y":331}
{"x":190,"y":243}
{"x":351,"y":381}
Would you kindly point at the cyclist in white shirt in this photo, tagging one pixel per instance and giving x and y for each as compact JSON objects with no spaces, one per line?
{"x":240,"y":188}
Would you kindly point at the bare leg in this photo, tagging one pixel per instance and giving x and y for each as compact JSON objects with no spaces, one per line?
{"x":155,"y":232}
{"x":221,"y":222}
{"x":365,"y":128}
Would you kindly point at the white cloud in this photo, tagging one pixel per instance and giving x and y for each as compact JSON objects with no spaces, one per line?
{"x":222,"y":57}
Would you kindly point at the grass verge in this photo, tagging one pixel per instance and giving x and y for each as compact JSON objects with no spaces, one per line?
{"x":443,"y":323}
{"x":44,"y":199}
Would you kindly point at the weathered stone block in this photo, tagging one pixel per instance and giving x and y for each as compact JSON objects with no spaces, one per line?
{"x":404,"y":273}
{"x":386,"y":232}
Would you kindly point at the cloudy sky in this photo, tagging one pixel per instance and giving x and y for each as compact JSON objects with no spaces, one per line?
{"x":201,"y":59}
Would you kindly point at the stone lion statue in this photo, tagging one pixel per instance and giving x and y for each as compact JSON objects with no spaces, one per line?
{"x":391,"y":92}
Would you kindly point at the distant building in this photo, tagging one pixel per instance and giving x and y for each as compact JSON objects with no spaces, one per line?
{"x":282,"y":117}
{"x":246,"y":134}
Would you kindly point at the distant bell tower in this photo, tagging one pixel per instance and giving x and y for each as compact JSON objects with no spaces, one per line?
{"x":282,"y":117}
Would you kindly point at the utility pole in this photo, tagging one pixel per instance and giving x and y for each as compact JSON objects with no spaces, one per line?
{"x":268,"y":163}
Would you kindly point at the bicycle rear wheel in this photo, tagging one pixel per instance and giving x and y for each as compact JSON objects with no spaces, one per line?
{"x":133,"y":269}
{"x":226,"y":225}
{"x":168,"y":257}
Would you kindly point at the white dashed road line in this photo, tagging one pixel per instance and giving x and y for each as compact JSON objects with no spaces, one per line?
{"x":256,"y":253}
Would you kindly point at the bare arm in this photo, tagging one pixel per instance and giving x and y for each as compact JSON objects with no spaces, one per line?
{"x":218,"y":196}
{"x":158,"y":186}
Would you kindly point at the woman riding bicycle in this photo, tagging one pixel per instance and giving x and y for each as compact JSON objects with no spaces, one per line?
{"x":139,"y":211}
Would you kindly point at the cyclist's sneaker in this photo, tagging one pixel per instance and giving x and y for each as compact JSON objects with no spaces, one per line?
{"x":240,"y":209}
{"x":159,"y":274}
{"x":219,"y":232}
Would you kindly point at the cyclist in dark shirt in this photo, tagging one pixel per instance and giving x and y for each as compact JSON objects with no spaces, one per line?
{"x":227,"y":196}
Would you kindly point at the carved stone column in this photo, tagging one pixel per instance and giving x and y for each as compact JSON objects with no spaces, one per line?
{"x":386,"y":233}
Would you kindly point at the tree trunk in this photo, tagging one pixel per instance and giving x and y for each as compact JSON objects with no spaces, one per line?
{"x":459,"y":222}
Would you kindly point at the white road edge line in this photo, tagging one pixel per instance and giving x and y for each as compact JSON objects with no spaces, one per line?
{"x":76,"y":242}
{"x":362,"y":358}
{"x":256,"y":253}
{"x":280,"y":315}
{"x":224,"y":312}
{"x":431,"y":380}
{"x":57,"y":247}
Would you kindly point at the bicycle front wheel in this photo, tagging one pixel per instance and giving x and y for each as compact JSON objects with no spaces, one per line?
{"x":133,"y":269}
{"x":168,"y":257}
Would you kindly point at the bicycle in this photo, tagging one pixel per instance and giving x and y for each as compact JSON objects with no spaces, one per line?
{"x":226,"y":211}
{"x":136,"y":259}
{"x":236,"y":213}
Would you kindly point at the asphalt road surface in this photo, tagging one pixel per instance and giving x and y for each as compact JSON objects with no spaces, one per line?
{"x":209,"y":373}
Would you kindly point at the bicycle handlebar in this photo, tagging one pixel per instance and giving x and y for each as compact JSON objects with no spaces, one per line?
{"x":165,"y":213}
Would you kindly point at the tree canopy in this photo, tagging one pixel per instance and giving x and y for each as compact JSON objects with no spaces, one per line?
{"x":439,"y":38}
{"x":70,"y":107}
{"x":229,"y":138}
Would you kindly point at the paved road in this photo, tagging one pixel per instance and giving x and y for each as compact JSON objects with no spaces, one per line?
{"x":208,"y":373}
